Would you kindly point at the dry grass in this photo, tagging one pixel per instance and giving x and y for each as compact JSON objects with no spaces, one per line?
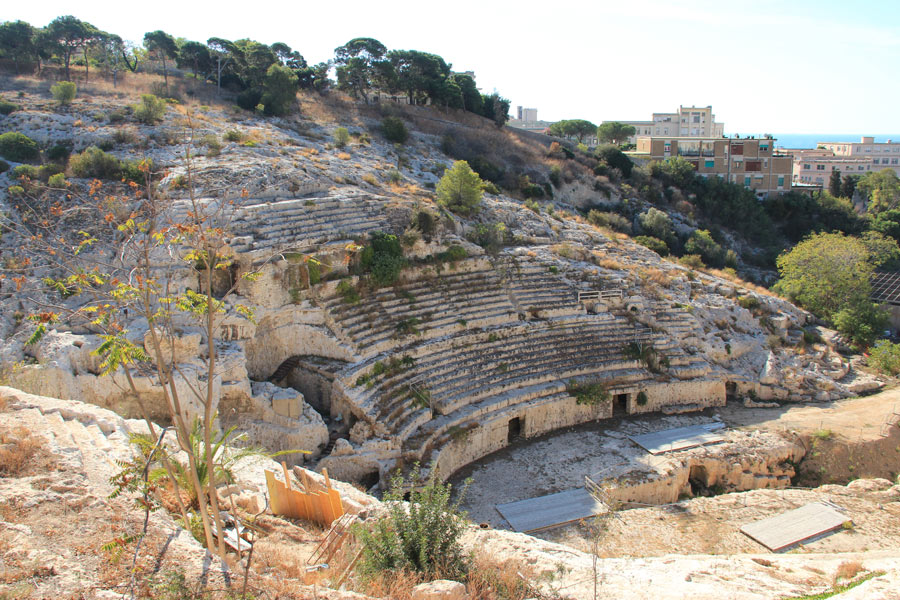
{"x":848,"y":570}
{"x":21,"y":453}
{"x":344,"y":156}
{"x":609,"y":263}
{"x":655,"y":276}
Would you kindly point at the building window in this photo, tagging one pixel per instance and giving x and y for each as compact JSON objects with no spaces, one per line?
{"x":747,"y":181}
{"x":820,"y":167}
{"x":781,"y":181}
{"x":807,"y":166}
{"x":893,"y":161}
{"x":709,"y":164}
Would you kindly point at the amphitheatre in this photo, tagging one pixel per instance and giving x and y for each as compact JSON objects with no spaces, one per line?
{"x":524,"y":363}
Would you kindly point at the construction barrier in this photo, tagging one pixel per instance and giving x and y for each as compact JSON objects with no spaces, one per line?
{"x":312,"y":501}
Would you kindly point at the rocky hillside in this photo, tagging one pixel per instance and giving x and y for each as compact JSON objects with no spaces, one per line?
{"x":495,"y":328}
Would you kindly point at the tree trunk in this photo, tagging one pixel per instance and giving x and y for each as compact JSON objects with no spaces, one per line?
{"x":87,"y":66}
{"x":165,"y":75}
{"x":68,"y":56}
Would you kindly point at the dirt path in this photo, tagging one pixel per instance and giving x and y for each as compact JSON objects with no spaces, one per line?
{"x":858,"y":419}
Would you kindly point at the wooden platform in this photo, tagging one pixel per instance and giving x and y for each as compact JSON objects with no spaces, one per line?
{"x":679,"y":438}
{"x":788,"y":529}
{"x":552,"y":510}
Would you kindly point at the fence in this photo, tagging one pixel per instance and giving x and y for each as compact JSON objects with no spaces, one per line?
{"x":313,"y":501}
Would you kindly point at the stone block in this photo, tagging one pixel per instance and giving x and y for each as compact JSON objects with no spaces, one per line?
{"x":440,"y":589}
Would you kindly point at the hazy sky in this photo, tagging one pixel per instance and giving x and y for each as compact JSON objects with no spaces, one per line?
{"x":803,"y":66}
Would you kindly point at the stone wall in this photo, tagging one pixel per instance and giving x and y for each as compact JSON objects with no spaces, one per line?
{"x":467,"y":445}
{"x":696,"y":394}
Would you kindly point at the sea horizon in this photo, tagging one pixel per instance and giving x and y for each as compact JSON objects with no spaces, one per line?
{"x":811,"y":140}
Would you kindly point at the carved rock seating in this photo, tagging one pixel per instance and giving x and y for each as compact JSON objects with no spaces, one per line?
{"x":538,"y":291}
{"x":422,"y":309}
{"x":303,"y":222}
{"x":495,"y":369}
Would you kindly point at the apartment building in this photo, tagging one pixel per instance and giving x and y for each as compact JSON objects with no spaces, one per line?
{"x":527,"y":119}
{"x":752,"y":162}
{"x":816,"y":166}
{"x":880,"y":155}
{"x":688,"y":121}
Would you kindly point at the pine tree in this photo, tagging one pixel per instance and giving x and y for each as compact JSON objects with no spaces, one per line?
{"x":834,"y":183}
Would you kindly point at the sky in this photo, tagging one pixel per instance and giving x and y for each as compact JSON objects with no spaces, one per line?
{"x":765,"y":66}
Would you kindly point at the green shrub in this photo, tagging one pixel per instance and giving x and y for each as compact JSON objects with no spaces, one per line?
{"x":423,"y":536}
{"x":692,"y":260}
{"x":233,"y":135}
{"x":347,"y":292}
{"x":63,"y":92}
{"x":96,"y":163}
{"x":642,"y":398}
{"x":702,"y":243}
{"x":590,"y":394}
{"x":885,"y":356}
{"x":490,"y":236}
{"x":213,"y":146}
{"x":59,"y":152}
{"x":611,"y":220}
{"x":151,"y":109}
{"x":29,"y":171}
{"x":555,"y":175}
{"x":18,"y":147}
{"x":7,"y":107}
{"x":453,"y":254}
{"x":16,"y":191}
{"x":249,"y":99}
{"x":394,"y":130}
{"x":341,"y":137}
{"x":57,"y":181}
{"x":748,"y":302}
{"x":383,"y":258}
{"x":490,"y":188}
{"x":655,"y":244}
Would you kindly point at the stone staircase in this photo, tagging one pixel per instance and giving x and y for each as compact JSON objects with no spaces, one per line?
{"x":303,"y":223}
{"x":83,"y":440}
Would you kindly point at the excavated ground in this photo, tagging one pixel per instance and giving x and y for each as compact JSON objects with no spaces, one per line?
{"x":841,"y":441}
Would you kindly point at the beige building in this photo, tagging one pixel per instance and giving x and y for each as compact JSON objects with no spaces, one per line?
{"x":751,"y":162}
{"x":880,"y":155}
{"x":688,"y":121}
{"x":812,"y":167}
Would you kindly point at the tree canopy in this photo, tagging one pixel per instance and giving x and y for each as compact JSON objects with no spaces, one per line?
{"x":460,"y":189}
{"x":881,"y":189}
{"x":614,"y":132}
{"x":576,"y":128}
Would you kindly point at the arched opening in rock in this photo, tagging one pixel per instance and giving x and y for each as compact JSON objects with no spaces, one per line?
{"x":620,"y":405}
{"x":369,"y":480}
{"x":514,"y":430}
{"x":730,"y":390}
{"x":699,"y":481}
{"x":312,"y":376}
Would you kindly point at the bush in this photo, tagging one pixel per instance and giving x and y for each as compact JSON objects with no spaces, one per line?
{"x":280,"y":90}
{"x":609,"y":219}
{"x":383,"y":259}
{"x":423,"y":536}
{"x":7,"y":107}
{"x":57,"y":181}
{"x":233,"y":135}
{"x":590,"y":394}
{"x":394,"y":130}
{"x":63,"y":92}
{"x":453,"y":254}
{"x":18,"y":147}
{"x":29,"y":171}
{"x":341,"y":136}
{"x":59,"y":152}
{"x":655,"y":244}
{"x":426,"y":222}
{"x":94,"y":162}
{"x":249,"y":99}
{"x":491,"y":237}
{"x":213,"y":147}
{"x":861,"y":322}
{"x":885,"y":357}
{"x":748,"y":302}
{"x":692,"y":260}
{"x":702,"y":243}
{"x":150,"y":110}
{"x":347,"y":292}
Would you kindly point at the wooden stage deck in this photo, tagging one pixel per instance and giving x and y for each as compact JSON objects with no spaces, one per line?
{"x":552,"y":510}
{"x":680,"y":438}
{"x":783,"y":531}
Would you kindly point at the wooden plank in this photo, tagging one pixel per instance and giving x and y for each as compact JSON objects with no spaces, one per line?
{"x":679,"y":438}
{"x":276,"y":496}
{"x":551,"y":510}
{"x":793,"y":527}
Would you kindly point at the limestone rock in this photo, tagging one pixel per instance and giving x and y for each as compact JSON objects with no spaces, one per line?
{"x":440,"y":589}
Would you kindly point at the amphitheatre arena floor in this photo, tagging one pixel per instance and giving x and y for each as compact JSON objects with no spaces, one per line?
{"x":559,"y":461}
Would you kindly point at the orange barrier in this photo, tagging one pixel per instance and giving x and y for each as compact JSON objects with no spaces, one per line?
{"x":312,"y":501}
